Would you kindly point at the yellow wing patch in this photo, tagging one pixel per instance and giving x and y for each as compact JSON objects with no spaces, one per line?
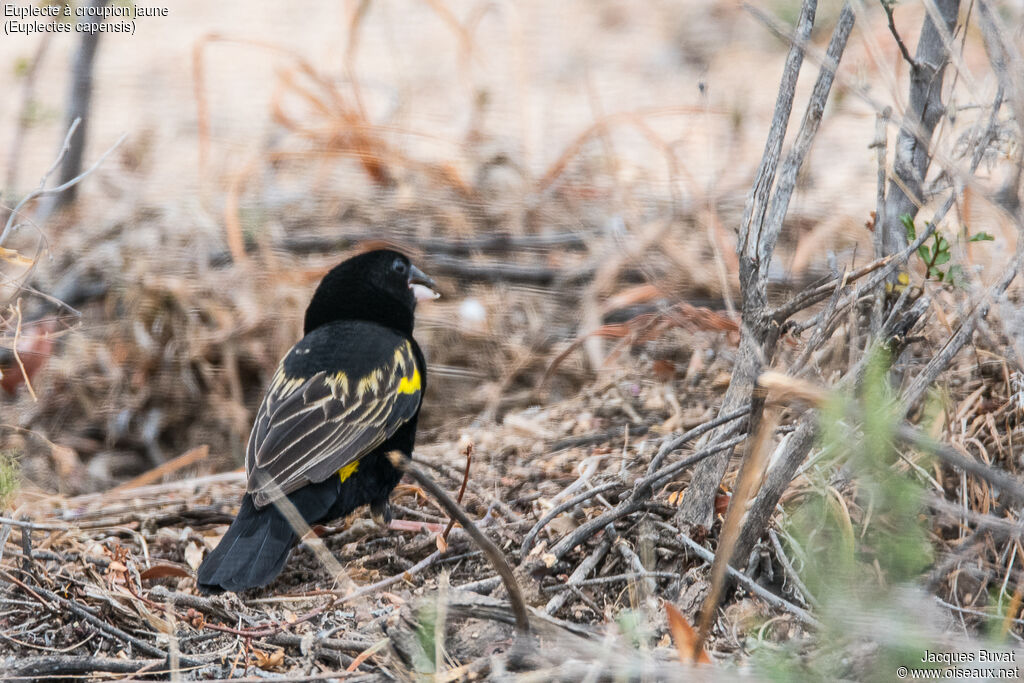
{"x":410,"y":385}
{"x":348,"y":470}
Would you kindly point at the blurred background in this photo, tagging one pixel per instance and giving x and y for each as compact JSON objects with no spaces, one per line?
{"x":607,"y":145}
{"x":574,"y":175}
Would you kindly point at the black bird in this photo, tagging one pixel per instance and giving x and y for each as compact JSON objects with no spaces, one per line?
{"x":347,"y":394}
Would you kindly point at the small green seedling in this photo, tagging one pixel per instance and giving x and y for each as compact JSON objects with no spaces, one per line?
{"x":938,"y":253}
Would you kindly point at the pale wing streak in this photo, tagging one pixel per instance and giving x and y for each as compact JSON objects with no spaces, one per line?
{"x":331,"y":439}
{"x":336,"y":436}
{"x":290,"y":444}
{"x":281,"y":423}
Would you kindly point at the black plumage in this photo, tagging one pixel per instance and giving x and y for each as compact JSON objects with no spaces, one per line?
{"x":347,"y":394}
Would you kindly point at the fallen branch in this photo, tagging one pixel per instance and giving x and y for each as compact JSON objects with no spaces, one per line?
{"x":497,"y":271}
{"x":493,"y":553}
{"x":637,"y":498}
{"x":462,"y":492}
{"x":579,"y":574}
{"x":37,"y":668}
{"x":531,"y":535}
{"x":111,"y":630}
{"x":748,"y":583}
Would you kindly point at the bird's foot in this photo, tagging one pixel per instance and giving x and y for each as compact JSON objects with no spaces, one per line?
{"x":381,"y":513}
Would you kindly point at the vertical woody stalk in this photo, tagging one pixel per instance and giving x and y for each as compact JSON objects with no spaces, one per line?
{"x":759,"y":233}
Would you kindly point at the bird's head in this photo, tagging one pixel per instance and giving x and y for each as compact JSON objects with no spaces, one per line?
{"x":380,"y":286}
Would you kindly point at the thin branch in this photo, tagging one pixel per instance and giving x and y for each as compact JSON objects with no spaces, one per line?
{"x":24,"y":112}
{"x":748,"y":583}
{"x":1008,"y":486}
{"x":493,"y":553}
{"x":757,"y":200}
{"x":676,"y":442}
{"x":913,"y":150}
{"x":613,"y":578}
{"x":794,"y":448}
{"x":462,"y":490}
{"x":111,"y":630}
{"x":17,"y":355}
{"x":940,"y":360}
{"x":79,"y":102}
{"x":887,"y":5}
{"x":531,"y":535}
{"x":582,"y":571}
{"x":636,"y":500}
{"x":791,"y":572}
{"x":759,"y":232}
{"x":41,"y":191}
{"x":805,"y":138}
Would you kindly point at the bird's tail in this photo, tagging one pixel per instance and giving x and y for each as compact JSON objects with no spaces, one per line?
{"x":252,"y":552}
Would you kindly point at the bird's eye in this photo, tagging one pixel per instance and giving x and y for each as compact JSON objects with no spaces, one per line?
{"x":399,"y":266}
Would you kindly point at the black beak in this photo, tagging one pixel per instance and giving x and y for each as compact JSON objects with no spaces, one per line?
{"x":422,"y":285}
{"x":418,"y":277}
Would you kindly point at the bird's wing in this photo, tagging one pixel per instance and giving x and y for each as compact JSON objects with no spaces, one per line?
{"x":310,"y":427}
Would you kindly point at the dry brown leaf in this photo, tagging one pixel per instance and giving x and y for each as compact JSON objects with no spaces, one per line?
{"x":193,"y":555}
{"x":163,"y":571}
{"x":630,"y":297}
{"x":684,"y":637}
{"x":159,"y":622}
{"x":722,"y":503}
{"x":268,"y":661}
{"x":782,"y":387}
{"x":34,"y":345}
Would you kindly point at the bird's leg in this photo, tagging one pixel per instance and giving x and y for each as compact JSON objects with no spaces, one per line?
{"x":380,"y":510}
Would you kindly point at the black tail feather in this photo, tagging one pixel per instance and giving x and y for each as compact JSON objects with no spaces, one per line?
{"x":252,"y":552}
{"x":257,"y":544}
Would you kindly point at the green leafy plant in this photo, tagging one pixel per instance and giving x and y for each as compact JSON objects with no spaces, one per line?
{"x":936,"y":253}
{"x":633,"y":626}
{"x":858,"y":539}
{"x":426,"y":634}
